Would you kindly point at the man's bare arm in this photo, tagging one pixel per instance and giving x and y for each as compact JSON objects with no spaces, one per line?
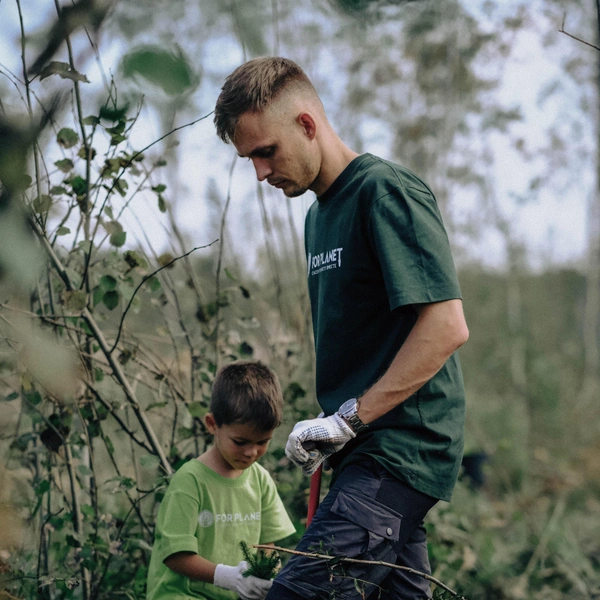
{"x":440,"y":329}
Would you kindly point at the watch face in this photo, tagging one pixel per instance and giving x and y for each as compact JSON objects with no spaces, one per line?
{"x":348,"y":407}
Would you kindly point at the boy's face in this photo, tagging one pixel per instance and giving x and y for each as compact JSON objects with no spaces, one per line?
{"x":238,"y":445}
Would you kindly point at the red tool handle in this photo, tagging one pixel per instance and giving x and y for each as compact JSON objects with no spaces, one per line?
{"x":314,"y":495}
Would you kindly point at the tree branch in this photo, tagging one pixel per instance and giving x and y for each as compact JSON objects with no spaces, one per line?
{"x":144,"y":281}
{"x":562,"y":30}
{"x":338,"y":559}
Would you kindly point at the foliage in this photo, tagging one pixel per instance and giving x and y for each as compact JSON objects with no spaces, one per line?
{"x":261,"y":564}
{"x":109,"y":346}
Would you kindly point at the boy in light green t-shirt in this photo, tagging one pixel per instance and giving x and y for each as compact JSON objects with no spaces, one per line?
{"x":223,"y":497}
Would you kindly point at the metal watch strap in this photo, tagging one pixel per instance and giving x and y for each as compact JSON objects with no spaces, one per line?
{"x":348,"y":412}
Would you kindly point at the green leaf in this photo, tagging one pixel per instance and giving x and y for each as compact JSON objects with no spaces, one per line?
{"x":116,"y":139}
{"x":154,"y":283}
{"x":87,"y":510}
{"x":156,"y":405}
{"x":121,"y":186}
{"x":62,"y":230}
{"x":98,"y":374}
{"x":150,"y":461}
{"x":118,"y":239}
{"x":185,"y":433}
{"x":133,"y":259}
{"x":113,"y":113}
{"x":162,"y":205}
{"x":108,"y":282}
{"x":172,"y":72}
{"x":230,"y":275}
{"x":33,"y":396}
{"x":11,"y":397}
{"x":87,"y":154}
{"x":91,"y":120}
{"x":58,"y":190}
{"x":42,"y":204}
{"x":246,"y":349}
{"x":111,"y":299}
{"x":109,"y":445}
{"x":85,"y":470}
{"x":125,"y":356}
{"x":159,"y":189}
{"x":197,"y":409}
{"x":62,"y":69}
{"x":112,"y":227}
{"x":72,"y":541}
{"x":65,"y":164}
{"x":118,"y":128}
{"x":42,"y":487}
{"x":67,"y":138}
{"x":79,"y":186}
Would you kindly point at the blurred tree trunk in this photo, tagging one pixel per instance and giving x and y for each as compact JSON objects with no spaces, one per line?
{"x":592,"y":302}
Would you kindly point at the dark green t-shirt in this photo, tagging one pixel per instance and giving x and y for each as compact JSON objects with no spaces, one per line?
{"x":376,"y":245}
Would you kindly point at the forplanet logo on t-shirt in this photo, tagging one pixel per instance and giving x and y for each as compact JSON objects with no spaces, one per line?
{"x":331,"y":259}
{"x":207,"y":518}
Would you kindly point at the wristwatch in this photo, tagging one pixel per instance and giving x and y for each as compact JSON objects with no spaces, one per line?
{"x":348,"y":412}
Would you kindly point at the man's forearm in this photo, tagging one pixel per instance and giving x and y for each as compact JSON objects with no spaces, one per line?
{"x":440,"y":329}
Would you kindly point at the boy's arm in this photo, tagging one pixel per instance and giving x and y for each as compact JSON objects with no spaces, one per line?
{"x":198,"y":568}
{"x":191,"y":565}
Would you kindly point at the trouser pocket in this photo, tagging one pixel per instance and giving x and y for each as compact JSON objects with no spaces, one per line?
{"x":373,"y":523}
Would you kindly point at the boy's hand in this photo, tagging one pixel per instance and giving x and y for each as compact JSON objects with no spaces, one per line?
{"x":328,"y":436}
{"x":248,"y":588}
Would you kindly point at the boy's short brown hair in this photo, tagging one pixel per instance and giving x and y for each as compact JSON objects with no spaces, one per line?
{"x":252,"y":87}
{"x":247,"y":391}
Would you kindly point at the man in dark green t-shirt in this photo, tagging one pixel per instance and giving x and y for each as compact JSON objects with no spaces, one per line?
{"x":387,"y":317}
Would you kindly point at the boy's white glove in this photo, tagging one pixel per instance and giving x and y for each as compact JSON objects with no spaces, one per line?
{"x":248,"y":588}
{"x":314,"y":440}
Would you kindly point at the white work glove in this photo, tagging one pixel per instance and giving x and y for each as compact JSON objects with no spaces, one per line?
{"x":312,"y":441}
{"x":247,"y":588}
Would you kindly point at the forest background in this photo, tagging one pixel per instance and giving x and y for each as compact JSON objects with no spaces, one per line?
{"x":138,"y":253}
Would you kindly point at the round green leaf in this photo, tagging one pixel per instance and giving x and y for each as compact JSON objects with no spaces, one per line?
{"x":111,"y":299}
{"x":172,"y":72}
{"x":118,"y":239}
{"x":108,"y":282}
{"x":65,"y":164}
{"x":67,"y":138}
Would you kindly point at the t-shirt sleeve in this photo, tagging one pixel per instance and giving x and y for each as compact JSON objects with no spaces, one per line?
{"x":411,"y":243}
{"x":177,"y":518}
{"x":275,"y":522}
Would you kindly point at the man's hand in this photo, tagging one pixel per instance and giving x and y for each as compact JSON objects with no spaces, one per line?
{"x":312,"y":441}
{"x":247,"y":588}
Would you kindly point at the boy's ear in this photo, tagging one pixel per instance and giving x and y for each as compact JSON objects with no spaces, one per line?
{"x":209,"y":421}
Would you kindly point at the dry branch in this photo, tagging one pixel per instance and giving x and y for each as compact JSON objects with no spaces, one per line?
{"x":339,"y":559}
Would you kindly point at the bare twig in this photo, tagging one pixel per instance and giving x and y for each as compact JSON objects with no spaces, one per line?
{"x":358,"y":561}
{"x":146,"y":278}
{"x":220,"y":260}
{"x":562,"y":30}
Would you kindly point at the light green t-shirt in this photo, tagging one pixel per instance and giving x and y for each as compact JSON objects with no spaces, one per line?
{"x":210,"y":515}
{"x":376,"y":246}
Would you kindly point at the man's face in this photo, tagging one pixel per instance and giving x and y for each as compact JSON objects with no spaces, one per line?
{"x":280,"y":149}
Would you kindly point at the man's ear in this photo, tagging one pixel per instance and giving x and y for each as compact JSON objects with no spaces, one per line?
{"x":308,"y":123}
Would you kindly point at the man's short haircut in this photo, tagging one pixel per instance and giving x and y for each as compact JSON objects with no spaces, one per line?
{"x":252,"y":87}
{"x":247,"y":391}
